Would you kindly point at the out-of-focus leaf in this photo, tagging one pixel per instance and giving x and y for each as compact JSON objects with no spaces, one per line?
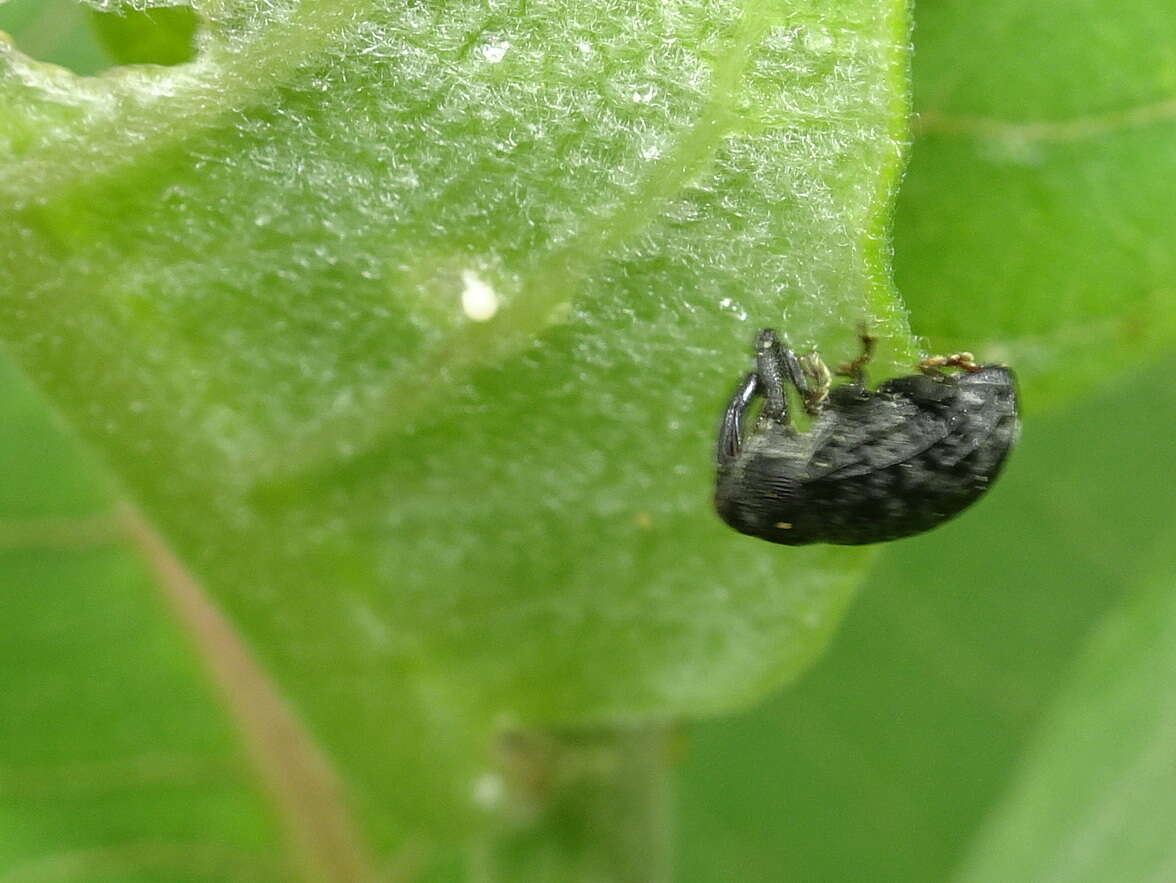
{"x":1095,"y":799}
{"x":1035,"y":223}
{"x":115,"y":761}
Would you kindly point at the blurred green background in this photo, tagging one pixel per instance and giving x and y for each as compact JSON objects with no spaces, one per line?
{"x":1000,"y":701}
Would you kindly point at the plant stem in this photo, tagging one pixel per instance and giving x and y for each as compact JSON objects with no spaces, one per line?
{"x":579,"y":806}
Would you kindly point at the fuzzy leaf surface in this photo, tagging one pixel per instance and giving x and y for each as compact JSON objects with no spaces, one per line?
{"x":250,"y":284}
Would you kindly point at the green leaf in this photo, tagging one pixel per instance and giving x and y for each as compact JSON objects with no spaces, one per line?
{"x":1035,"y":222}
{"x":242,"y":280}
{"x":1096,"y":796}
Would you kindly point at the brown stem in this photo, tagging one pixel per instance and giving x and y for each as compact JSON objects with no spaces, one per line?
{"x":305,"y":789}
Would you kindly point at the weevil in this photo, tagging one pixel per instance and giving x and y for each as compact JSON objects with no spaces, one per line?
{"x":873,"y":465}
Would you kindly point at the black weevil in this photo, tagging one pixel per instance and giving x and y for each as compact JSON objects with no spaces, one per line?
{"x":874,"y":465}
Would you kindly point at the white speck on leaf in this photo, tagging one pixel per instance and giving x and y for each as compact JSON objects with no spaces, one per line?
{"x":644,"y":94}
{"x":495,"y":52}
{"x":478,"y":299}
{"x":732,"y":306}
{"x":818,"y":41}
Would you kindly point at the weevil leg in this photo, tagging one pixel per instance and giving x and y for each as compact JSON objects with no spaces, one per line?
{"x":731,"y":431}
{"x":820,"y":380}
{"x":933,"y":364}
{"x":777,"y":366}
{"x":856,"y":370}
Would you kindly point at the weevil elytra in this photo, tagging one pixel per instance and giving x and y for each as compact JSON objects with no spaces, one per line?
{"x":874,"y":465}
